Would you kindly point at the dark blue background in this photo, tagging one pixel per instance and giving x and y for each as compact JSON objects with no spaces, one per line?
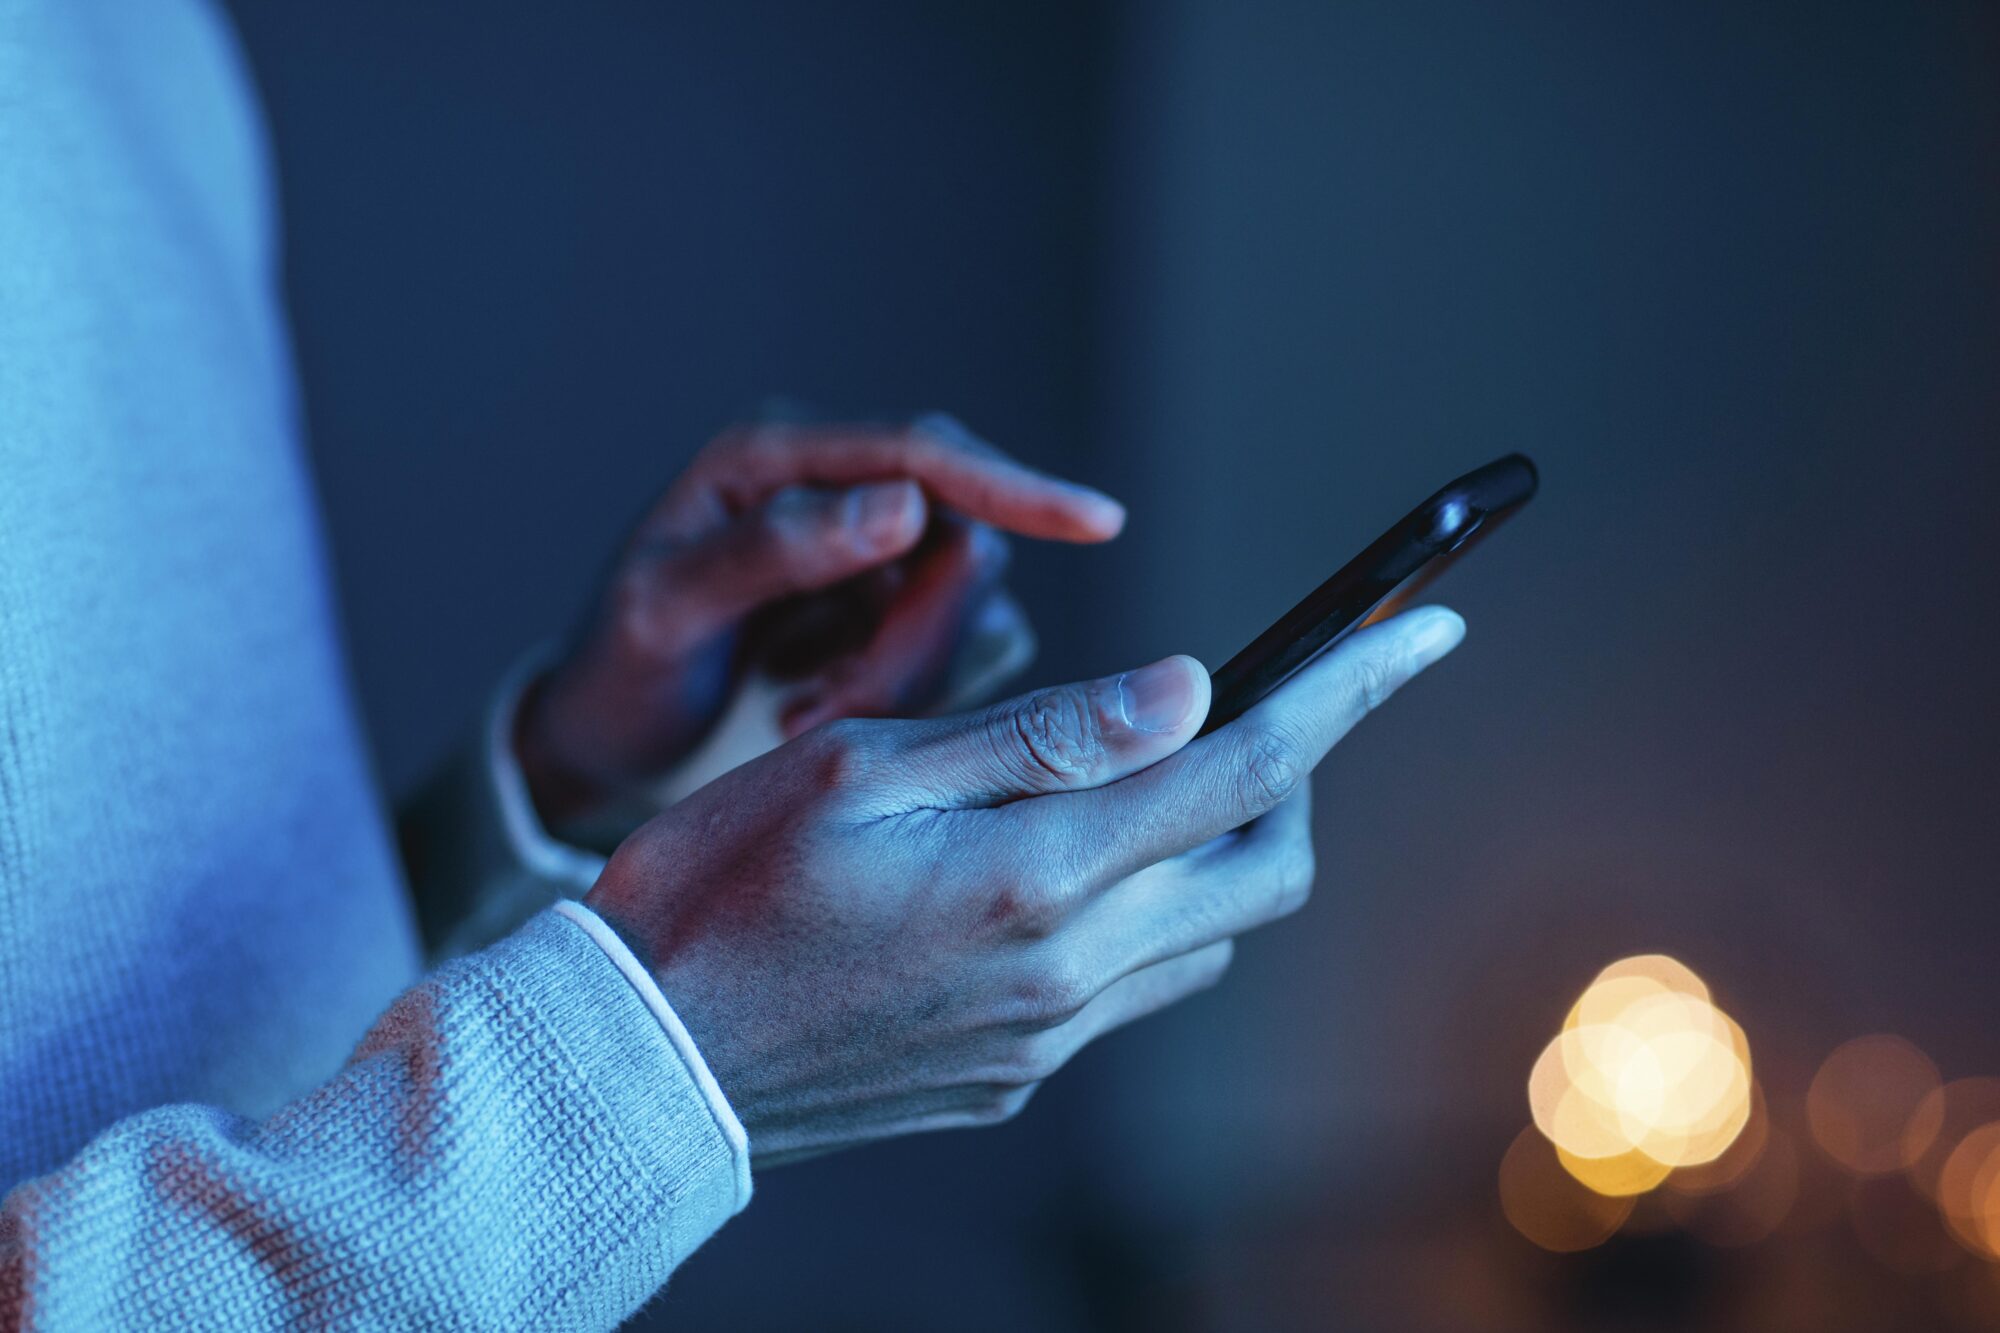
{"x":1271,"y":272}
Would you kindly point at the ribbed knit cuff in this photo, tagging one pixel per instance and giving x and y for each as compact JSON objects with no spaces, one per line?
{"x":567,"y":869}
{"x":665,"y":1163}
{"x":655,"y":1001}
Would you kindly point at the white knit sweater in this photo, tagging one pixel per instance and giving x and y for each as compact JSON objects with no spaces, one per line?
{"x":200,"y":913}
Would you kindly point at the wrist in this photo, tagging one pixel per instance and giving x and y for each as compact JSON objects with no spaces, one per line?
{"x":562,"y":792}
{"x":617,"y":949}
{"x":610,"y":909}
{"x":638,"y":909}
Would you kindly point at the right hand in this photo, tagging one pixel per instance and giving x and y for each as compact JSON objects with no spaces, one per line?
{"x":892,"y":926}
{"x":860,"y":564}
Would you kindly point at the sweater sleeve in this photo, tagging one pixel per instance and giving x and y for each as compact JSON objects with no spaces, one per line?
{"x":479,"y":860}
{"x":517,"y":1143}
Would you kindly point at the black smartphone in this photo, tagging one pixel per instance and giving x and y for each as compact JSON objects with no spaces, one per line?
{"x":1377,"y":583}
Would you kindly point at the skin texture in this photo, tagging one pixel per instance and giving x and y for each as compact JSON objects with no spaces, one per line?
{"x":854,"y":559}
{"x":886,"y":926}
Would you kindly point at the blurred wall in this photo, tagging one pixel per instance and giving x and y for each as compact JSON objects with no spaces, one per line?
{"x":538,"y":255}
{"x":1728,"y":272}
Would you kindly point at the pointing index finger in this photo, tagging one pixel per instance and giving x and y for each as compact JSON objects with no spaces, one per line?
{"x":955,"y":467}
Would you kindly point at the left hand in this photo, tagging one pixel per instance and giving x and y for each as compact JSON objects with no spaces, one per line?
{"x":892,"y":926}
{"x":854,"y":560}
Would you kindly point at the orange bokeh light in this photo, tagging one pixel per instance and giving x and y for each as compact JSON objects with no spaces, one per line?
{"x":1870,"y":1106}
{"x":1741,"y":1155}
{"x":1646,"y":1076}
{"x":1969,"y":1191}
{"x":1548,"y":1205}
{"x":1944,"y":1118}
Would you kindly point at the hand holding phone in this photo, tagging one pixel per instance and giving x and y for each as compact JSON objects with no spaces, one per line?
{"x":1374,"y":584}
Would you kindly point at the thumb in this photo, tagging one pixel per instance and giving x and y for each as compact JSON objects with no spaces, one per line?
{"x":1065,"y":738}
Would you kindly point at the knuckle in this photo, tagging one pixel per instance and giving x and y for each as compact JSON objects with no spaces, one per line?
{"x":1035,"y":1059}
{"x":1215,"y":965}
{"x":1376,"y":677}
{"x":1026,"y":910}
{"x":918,"y":441}
{"x":1051,"y":994}
{"x":785,"y":524}
{"x":1294,"y":885}
{"x":1275,"y":766}
{"x":841,"y":754}
{"x":1057,"y":738}
{"x":1001,"y":1103}
{"x":945,"y":433}
{"x":634,"y":602}
{"x":938,"y":426}
{"x":1015,"y":1100}
{"x":941,"y":432}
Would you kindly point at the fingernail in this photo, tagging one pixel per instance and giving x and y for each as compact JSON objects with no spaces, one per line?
{"x":880,"y":513}
{"x":1435,"y":635}
{"x":1156,"y":697}
{"x":1110,"y":512}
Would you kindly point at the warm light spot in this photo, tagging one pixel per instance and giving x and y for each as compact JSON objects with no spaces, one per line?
{"x":1546,"y":1204}
{"x":1713,"y":1134}
{"x":1941,"y":1122}
{"x":1669,"y":973}
{"x":1730,"y":1166}
{"x":1628,"y":1173}
{"x":1867,"y":1106}
{"x":1969,"y":1191}
{"x":1644,"y":1068}
{"x":1574,"y":1089}
{"x":1605,"y":999}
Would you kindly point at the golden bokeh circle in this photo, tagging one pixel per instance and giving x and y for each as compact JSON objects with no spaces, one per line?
{"x":1968,"y":1191}
{"x":1646,"y":1076}
{"x":1548,"y":1205}
{"x":1940,"y":1124}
